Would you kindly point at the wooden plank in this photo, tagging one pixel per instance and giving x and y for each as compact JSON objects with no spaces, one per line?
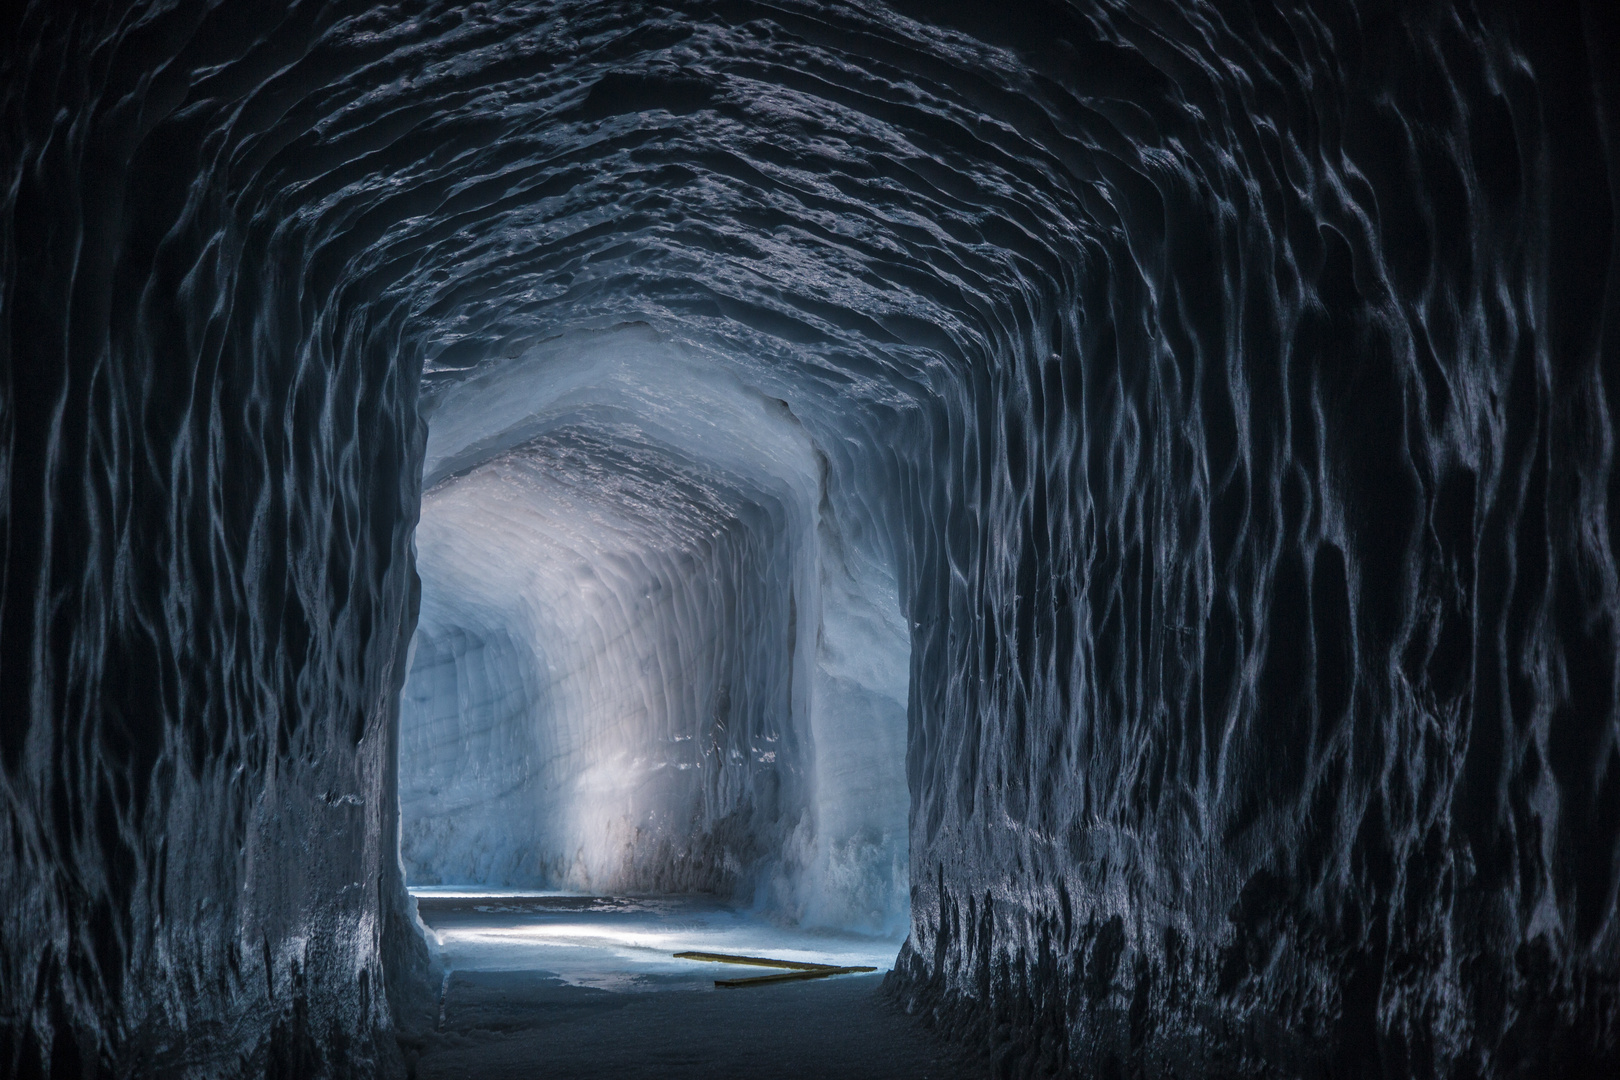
{"x":790,"y":976}
{"x":756,"y":961}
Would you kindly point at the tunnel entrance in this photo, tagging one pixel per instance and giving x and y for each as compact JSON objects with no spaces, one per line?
{"x":646,"y":660}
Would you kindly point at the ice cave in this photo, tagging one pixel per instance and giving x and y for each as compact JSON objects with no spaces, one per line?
{"x":1083,"y":531}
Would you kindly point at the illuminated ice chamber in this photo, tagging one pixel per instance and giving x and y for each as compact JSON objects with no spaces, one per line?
{"x":645,"y":660}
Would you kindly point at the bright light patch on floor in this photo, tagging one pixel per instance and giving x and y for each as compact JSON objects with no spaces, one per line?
{"x":620,"y":943}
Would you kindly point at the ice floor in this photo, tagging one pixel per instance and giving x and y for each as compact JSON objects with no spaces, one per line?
{"x":553,"y":985}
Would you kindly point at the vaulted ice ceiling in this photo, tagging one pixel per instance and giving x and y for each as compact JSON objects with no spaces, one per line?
{"x":1200,"y":416}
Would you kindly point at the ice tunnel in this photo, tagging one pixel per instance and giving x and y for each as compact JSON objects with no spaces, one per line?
{"x":642,"y":635}
{"x":1123,"y":494}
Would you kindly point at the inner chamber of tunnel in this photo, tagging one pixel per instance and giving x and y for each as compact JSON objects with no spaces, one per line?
{"x":645,"y":658}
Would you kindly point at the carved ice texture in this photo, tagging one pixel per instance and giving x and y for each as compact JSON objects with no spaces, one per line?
{"x":645,"y":660}
{"x":1214,"y":402}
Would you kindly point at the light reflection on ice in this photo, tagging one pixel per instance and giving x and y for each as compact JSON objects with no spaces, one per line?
{"x":622,"y":944}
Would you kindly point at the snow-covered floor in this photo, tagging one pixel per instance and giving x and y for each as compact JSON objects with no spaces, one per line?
{"x":553,"y":985}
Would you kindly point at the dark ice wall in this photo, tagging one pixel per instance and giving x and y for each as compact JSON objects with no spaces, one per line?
{"x":209,"y":482}
{"x":1231,"y":390}
{"x":1265,"y":710}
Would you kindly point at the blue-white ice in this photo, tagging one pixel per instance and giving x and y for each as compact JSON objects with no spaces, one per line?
{"x":648,"y":656}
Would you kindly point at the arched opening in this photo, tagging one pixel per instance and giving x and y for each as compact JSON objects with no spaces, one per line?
{"x":647,"y":659}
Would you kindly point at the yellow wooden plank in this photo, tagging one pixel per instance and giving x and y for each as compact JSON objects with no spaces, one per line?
{"x":756,"y":961}
{"x":790,"y":976}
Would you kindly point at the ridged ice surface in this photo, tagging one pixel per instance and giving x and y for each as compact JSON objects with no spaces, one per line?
{"x":1202,"y":417}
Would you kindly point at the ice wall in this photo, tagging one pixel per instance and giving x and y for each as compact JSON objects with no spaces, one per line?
{"x":655,"y":600}
{"x":208,"y":460}
{"x":1264,"y":708}
{"x":654,"y":677}
{"x":1223,"y":395}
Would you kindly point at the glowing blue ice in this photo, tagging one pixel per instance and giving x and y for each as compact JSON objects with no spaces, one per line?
{"x":647,"y":657}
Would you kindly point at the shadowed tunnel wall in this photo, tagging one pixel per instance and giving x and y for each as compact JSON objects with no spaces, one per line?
{"x":1228,"y":391}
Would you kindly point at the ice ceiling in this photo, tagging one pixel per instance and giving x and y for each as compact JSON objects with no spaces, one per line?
{"x":1181,"y":436}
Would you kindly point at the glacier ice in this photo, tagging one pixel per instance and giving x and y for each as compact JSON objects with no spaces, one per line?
{"x":1196,"y":420}
{"x":645,"y":657}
